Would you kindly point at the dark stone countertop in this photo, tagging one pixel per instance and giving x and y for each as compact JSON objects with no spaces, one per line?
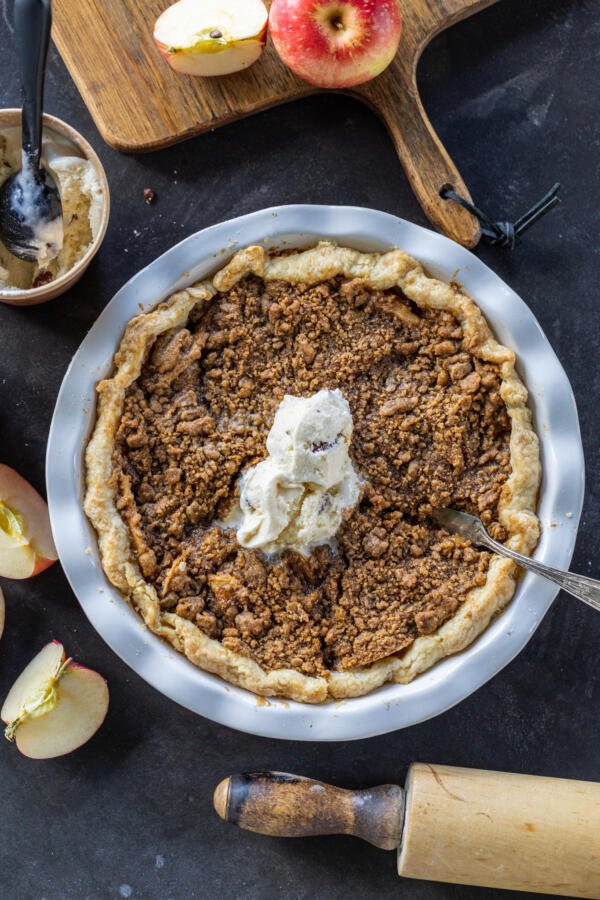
{"x":514,"y":95}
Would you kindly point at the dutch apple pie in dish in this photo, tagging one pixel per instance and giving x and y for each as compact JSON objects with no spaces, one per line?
{"x":267,"y":454}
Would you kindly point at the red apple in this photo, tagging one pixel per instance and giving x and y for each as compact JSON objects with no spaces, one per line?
{"x":336,"y":43}
{"x":26,"y":545}
{"x":55,"y":705}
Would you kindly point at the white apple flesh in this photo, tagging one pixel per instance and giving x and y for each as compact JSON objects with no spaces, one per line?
{"x":41,"y":671}
{"x":212,"y":37}
{"x":55,"y":705}
{"x":26,"y":545}
{"x":336,"y":43}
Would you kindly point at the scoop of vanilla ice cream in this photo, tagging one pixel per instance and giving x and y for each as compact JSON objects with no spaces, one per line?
{"x":267,"y":502}
{"x":310,"y":437}
{"x":295,"y":498}
{"x":82,"y":202}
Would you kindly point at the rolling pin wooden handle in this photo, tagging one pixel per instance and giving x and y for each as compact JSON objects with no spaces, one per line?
{"x":462,"y":826}
{"x":283,"y":805}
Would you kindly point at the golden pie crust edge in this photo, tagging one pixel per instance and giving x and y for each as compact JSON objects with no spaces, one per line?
{"x":516,"y":506}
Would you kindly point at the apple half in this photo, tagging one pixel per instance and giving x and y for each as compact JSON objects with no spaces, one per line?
{"x":212,"y":37}
{"x":55,"y":705}
{"x":26,"y":545}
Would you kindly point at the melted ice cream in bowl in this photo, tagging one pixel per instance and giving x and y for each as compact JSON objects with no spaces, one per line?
{"x":84,"y":194}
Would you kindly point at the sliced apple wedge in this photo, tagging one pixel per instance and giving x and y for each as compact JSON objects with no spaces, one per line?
{"x":55,"y":705}
{"x":40,"y":674}
{"x":212,"y":37}
{"x":26,"y":545}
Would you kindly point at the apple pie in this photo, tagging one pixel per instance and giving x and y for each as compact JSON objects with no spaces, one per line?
{"x":268,"y":451}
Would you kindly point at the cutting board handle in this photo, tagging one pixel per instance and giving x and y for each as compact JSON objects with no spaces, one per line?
{"x":429,"y":168}
{"x":282,"y":805}
{"x":462,"y":826}
{"x":395,"y":96}
{"x":424,"y":158}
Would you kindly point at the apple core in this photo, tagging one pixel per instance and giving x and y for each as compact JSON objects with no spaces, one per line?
{"x":11,"y":523}
{"x":342,"y":27}
{"x":38,"y":705}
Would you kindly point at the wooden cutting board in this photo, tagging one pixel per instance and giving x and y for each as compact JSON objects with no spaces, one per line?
{"x":140,"y":104}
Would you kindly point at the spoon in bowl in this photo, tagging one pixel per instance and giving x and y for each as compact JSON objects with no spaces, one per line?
{"x":473,"y":529}
{"x":31,"y":224}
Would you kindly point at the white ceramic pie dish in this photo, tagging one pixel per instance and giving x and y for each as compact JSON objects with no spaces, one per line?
{"x":392,"y":706}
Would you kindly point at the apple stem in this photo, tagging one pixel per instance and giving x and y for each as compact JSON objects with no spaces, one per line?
{"x":9,"y":731}
{"x":42,"y":700}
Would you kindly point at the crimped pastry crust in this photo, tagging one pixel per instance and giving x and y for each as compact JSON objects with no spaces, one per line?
{"x":515,"y":509}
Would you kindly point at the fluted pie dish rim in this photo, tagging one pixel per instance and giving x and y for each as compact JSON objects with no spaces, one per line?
{"x":516,"y":506}
{"x":394,"y":705}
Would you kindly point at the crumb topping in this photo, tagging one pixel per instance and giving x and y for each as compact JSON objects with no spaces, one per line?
{"x":430,"y":430}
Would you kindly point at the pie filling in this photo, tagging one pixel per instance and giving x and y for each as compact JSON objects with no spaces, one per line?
{"x":429,"y":430}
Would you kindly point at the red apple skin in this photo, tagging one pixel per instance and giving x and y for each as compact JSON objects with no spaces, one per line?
{"x":41,"y":565}
{"x":162,"y":48}
{"x":336,"y":43}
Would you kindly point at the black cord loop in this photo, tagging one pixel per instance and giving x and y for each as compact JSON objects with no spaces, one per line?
{"x":507,"y":234}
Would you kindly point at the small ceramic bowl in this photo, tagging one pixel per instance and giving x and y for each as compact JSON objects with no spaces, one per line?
{"x":11,"y":118}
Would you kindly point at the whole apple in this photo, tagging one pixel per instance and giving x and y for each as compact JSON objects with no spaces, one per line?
{"x":336,"y":43}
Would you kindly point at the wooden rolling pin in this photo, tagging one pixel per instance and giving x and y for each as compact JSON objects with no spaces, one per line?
{"x":463,"y":826}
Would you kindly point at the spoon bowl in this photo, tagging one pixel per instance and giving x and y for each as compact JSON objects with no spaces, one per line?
{"x":31,"y":223}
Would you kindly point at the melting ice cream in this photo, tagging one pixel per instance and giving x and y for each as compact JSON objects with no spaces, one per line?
{"x":296,"y":497}
{"x":82,"y":202}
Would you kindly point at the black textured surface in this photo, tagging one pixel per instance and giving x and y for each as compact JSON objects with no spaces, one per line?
{"x":514,"y":94}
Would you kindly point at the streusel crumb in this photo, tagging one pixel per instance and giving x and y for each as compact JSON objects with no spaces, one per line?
{"x":430,"y":430}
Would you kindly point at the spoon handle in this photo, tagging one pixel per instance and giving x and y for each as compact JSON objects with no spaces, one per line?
{"x":579,"y":586}
{"x":33,"y":21}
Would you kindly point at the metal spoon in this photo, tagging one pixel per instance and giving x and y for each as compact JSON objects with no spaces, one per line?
{"x":31,"y":224}
{"x":473,"y":529}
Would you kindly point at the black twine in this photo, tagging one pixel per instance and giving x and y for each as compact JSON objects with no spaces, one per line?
{"x":507,"y":234}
